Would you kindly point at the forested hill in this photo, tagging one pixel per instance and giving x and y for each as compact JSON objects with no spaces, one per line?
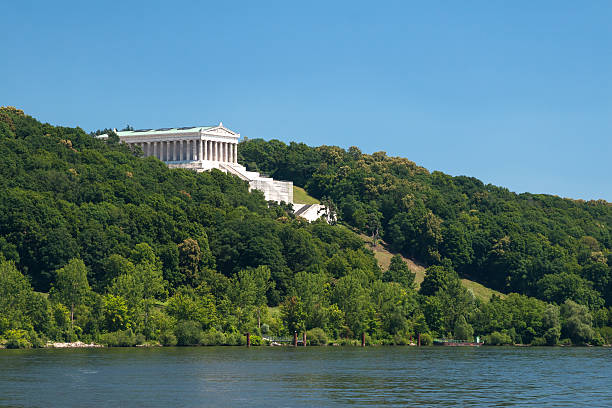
{"x":98,"y":243}
{"x":535,"y":244}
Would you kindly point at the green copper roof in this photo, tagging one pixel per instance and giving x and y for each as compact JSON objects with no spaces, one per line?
{"x":145,"y":132}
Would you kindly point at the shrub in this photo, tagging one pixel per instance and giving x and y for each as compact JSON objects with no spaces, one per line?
{"x":538,"y":341}
{"x":16,"y":339}
{"x":167,"y":338}
{"x":235,"y":339}
{"x":399,"y":340}
{"x":498,"y":339}
{"x":213,"y":338}
{"x":552,"y":336}
{"x":606,"y":334}
{"x":316,"y":337}
{"x":188,"y":333}
{"x":426,"y":339}
{"x":121,"y":338}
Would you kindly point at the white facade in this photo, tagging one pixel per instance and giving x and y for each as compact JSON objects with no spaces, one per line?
{"x":204,"y":148}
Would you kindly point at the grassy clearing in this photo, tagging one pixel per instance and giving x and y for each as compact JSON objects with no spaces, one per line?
{"x":383,"y":256}
{"x":480,"y":291}
{"x":300,"y":196}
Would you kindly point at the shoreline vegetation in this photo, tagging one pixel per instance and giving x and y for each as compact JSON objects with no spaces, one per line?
{"x":102,"y":246}
{"x":263,"y":343}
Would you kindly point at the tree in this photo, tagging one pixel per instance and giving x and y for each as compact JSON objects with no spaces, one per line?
{"x":261,"y":277}
{"x":437,"y":278}
{"x":116,"y":316}
{"x":292,"y":313}
{"x":189,"y":261}
{"x":374,"y":226}
{"x":71,"y":285}
{"x":15,"y":295}
{"x":399,"y":272}
{"x":463,"y":330}
{"x":563,"y":286}
{"x":576,"y":323}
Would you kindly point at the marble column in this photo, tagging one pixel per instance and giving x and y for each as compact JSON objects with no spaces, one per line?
{"x":236,"y":153}
{"x":200,"y":150}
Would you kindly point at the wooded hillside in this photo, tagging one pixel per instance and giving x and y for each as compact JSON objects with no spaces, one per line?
{"x":100,"y":244}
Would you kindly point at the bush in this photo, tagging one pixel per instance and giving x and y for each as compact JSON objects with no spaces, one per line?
{"x":213,"y":338}
{"x":316,"y":337}
{"x":426,"y":339}
{"x":121,"y":338}
{"x":552,"y":336}
{"x":235,"y":339}
{"x":167,"y":338}
{"x":399,"y":340}
{"x":16,"y":339}
{"x":188,"y":333}
{"x":538,"y":341}
{"x":606,"y":333}
{"x":497,"y":339}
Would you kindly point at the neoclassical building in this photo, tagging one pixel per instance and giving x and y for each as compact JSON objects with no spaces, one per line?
{"x":204,"y":148}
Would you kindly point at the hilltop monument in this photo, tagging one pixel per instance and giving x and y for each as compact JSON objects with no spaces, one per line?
{"x":203,"y":148}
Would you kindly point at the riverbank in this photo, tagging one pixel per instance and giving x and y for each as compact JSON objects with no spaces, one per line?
{"x":74,"y":344}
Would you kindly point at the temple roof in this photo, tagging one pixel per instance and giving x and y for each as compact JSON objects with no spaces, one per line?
{"x":146,"y":132}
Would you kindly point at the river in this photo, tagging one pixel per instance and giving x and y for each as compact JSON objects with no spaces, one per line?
{"x":312,"y":376}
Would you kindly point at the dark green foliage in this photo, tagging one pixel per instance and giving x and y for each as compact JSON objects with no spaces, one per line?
{"x":132,"y":252}
{"x":399,"y":272}
{"x":533,"y":244}
{"x":188,"y":333}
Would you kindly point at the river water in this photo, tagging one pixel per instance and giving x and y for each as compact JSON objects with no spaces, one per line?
{"x":312,"y":376}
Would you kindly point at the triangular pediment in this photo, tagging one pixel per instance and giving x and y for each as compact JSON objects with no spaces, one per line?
{"x":221,"y":130}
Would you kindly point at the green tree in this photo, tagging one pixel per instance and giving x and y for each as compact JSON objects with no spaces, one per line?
{"x":577,"y":324}
{"x":116,"y":316}
{"x":71,"y":285}
{"x":437,"y":278}
{"x":399,"y":272}
{"x":293,"y":315}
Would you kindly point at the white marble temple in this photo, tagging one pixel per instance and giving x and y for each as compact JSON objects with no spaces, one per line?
{"x":202,"y":148}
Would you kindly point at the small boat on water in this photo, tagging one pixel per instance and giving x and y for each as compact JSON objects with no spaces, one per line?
{"x":457,"y":343}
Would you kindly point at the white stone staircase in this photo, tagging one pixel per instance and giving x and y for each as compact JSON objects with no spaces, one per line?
{"x":273,"y":190}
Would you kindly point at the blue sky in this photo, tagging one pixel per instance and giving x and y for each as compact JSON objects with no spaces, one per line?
{"x":515,"y":93}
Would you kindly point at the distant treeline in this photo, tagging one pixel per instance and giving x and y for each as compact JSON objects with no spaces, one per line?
{"x":100,"y":244}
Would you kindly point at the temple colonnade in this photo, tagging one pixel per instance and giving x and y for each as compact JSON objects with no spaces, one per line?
{"x":190,"y":150}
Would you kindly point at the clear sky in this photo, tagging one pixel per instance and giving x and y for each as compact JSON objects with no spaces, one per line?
{"x":515,"y":93}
